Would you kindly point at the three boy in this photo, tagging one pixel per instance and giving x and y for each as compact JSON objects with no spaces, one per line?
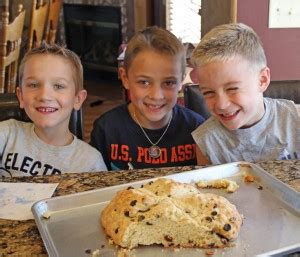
{"x":232,"y":73}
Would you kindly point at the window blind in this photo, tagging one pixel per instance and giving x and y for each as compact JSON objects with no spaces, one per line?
{"x":183,"y":19}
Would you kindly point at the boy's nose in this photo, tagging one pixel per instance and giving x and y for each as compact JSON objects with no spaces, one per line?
{"x":221,"y":102}
{"x":44,"y":92}
{"x":156,"y":92}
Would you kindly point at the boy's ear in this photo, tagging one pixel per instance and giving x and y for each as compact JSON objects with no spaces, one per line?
{"x":180,"y":86}
{"x":20,"y":97}
{"x":79,"y":99}
{"x":264,"y":79}
{"x":124,"y":78}
{"x":193,"y":76}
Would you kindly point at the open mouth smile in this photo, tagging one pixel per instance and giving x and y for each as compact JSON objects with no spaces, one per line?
{"x":153,"y":107}
{"x":228,"y":116}
{"x":46,"y":109}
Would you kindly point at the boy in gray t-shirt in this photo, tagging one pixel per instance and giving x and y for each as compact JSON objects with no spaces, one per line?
{"x":51,"y":86}
{"x":232,"y":73}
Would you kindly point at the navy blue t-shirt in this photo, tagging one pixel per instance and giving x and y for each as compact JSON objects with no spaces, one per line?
{"x":123,"y":144}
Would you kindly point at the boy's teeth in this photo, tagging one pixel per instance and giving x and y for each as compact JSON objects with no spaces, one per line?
{"x":46,"y":109}
{"x":154,"y":106}
{"x":228,"y":114}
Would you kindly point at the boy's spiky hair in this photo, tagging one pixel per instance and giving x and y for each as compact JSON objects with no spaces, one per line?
{"x":228,"y":40}
{"x":157,"y":39}
{"x":59,"y":50}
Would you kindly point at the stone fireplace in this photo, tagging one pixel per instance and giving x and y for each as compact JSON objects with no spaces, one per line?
{"x":95,"y":29}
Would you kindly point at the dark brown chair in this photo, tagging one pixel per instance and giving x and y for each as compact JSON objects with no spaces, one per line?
{"x":52,"y":20}
{"x":37,"y":24}
{"x":9,"y":109}
{"x":194,"y":100}
{"x":10,"y":45}
{"x":286,"y":89}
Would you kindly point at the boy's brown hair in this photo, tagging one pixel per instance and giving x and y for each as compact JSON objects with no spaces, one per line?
{"x":228,"y":40}
{"x":157,"y":39}
{"x":59,"y":50}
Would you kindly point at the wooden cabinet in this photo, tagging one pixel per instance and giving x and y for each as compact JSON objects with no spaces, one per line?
{"x":216,"y":12}
{"x":142,"y":14}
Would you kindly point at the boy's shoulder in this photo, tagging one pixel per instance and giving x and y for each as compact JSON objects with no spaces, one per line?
{"x":211,"y":125}
{"x":187,"y":114}
{"x":78,"y":156}
{"x":120,"y":114}
{"x":279,"y":101}
{"x":84,"y":147}
{"x":281,"y":106}
{"x":114,"y":114}
{"x":90,"y":154}
{"x":16,"y":124}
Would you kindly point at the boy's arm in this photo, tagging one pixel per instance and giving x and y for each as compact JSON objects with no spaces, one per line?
{"x":201,"y":158}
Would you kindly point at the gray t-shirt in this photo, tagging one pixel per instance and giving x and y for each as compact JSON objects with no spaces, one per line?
{"x":276,"y":136}
{"x":22,"y":153}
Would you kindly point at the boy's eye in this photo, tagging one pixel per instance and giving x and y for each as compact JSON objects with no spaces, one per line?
{"x":32,"y":84}
{"x":208,"y":93}
{"x":144,"y":82}
{"x":170,"y":83}
{"x":232,"y":89}
{"x":58,"y":86}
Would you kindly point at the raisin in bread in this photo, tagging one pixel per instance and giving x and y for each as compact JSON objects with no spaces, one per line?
{"x":172,"y":214}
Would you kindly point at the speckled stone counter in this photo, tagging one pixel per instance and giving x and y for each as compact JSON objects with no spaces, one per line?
{"x":21,"y":238}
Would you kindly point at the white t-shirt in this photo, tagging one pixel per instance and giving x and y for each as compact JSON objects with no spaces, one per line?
{"x":22,"y":153}
{"x":275,"y":137}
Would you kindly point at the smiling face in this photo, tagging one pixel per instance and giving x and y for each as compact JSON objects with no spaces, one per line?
{"x":233,"y":91}
{"x":153,"y":80}
{"x":47,"y":92}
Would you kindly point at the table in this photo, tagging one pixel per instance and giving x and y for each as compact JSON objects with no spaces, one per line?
{"x":22,"y":237}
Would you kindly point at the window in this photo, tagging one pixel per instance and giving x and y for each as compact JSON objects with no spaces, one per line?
{"x":183,"y":19}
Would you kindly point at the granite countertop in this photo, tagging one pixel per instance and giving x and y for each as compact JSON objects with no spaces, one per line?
{"x":22,"y":237}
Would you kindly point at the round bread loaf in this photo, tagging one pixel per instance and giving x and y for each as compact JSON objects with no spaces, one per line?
{"x":172,"y":214}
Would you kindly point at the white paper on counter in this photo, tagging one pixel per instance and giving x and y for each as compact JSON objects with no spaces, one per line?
{"x":16,"y":199}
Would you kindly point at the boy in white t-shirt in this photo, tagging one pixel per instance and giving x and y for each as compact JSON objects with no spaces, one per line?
{"x":51,"y":86}
{"x":232,"y":73}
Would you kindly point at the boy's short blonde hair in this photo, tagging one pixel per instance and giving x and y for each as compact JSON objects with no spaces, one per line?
{"x":228,"y":40}
{"x":157,"y":39}
{"x":59,"y":50}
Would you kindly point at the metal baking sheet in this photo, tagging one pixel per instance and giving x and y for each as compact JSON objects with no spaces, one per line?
{"x":270,"y":208}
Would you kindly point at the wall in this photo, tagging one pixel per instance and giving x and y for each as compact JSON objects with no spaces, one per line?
{"x":282,"y":46}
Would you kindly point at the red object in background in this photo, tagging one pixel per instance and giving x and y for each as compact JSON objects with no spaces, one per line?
{"x":180,"y":97}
